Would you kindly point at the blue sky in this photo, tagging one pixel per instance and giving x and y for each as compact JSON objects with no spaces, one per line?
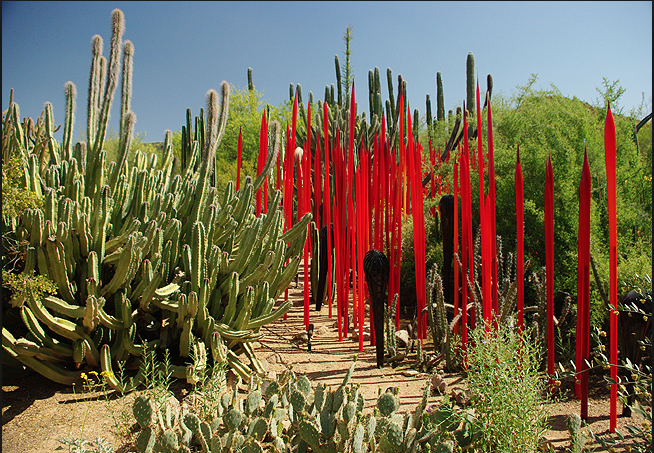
{"x":182,"y":49}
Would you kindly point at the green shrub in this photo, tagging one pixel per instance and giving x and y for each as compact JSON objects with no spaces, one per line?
{"x":506,"y":389}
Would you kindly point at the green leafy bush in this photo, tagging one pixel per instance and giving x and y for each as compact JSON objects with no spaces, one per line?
{"x":506,"y":389}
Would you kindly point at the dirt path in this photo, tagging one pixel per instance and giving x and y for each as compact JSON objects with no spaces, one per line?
{"x":36,"y":412}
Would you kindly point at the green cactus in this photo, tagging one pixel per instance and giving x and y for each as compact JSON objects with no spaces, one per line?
{"x":130,"y":245}
{"x":470,"y":84}
{"x":143,"y":411}
{"x":309,"y":434}
{"x":146,"y":441}
{"x":440,"y":106}
{"x":444,"y":447}
{"x":578,"y":439}
{"x":387,"y":404}
{"x":233,"y":419}
{"x":168,"y":441}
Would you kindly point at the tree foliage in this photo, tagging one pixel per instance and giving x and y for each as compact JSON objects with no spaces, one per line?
{"x":544,"y":122}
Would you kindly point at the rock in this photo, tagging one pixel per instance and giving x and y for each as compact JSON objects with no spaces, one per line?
{"x":301,"y":337}
{"x":438,"y":384}
{"x":460,"y":397}
{"x":410,"y":373}
{"x":324,"y":330}
{"x":265,"y":365}
{"x":436,"y":380}
{"x":366,"y":333}
{"x":402,"y":337}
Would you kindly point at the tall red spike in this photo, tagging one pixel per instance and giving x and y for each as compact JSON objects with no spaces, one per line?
{"x":263,"y":151}
{"x":288,"y":190}
{"x":432,"y":179}
{"x":455,"y":180}
{"x":360,"y":244}
{"x":464,"y":249}
{"x":610,"y":150}
{"x":583,"y":304}
{"x":468,"y":207}
{"x":239,"y":157}
{"x":491,"y":190}
{"x":520,"y":232}
{"x":278,"y":179}
{"x":480,"y":166}
{"x":549,"y":262}
{"x":327,"y":218}
{"x":487,"y":267}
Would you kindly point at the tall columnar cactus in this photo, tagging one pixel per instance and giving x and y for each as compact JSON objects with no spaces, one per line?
{"x":392,"y":115}
{"x":67,"y":143}
{"x":147,"y":256}
{"x":470,"y":84}
{"x":440,"y":106}
{"x":428,"y":116}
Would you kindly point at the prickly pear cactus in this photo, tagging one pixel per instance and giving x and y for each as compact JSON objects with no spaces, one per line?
{"x":387,"y":404}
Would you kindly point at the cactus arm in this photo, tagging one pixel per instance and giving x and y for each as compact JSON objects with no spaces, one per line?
{"x":46,"y":369}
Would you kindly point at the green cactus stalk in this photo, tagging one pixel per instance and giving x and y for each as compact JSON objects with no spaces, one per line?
{"x":470,"y":84}
{"x":339,"y":84}
{"x":53,"y":152}
{"x":428,"y":116}
{"x":440,"y":106}
{"x":126,"y":87}
{"x":389,"y":79}
{"x":578,"y":439}
{"x":67,"y":142}
{"x":94,"y":89}
{"x":377,"y":100}
{"x":125,"y":143}
{"x":371,"y":92}
{"x":118,"y":28}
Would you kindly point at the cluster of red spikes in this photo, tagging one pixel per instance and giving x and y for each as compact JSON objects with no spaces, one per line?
{"x":365,"y":194}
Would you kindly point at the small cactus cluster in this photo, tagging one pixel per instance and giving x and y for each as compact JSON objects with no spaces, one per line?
{"x":141,"y":250}
{"x":578,"y":438}
{"x":287,"y":415}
